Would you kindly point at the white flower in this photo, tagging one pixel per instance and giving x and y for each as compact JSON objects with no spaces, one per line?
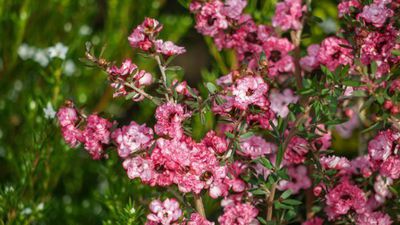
{"x":69,"y":67}
{"x":41,"y":58}
{"x":49,"y":112}
{"x":26,"y":52}
{"x":85,"y":30}
{"x":59,"y":50}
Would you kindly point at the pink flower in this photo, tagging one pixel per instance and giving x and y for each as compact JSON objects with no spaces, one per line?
{"x":381,"y":188}
{"x":126,"y":68}
{"x":215,"y":143}
{"x":298,"y":180}
{"x":197,"y":219}
{"x":277,"y":52}
{"x":255,"y":147}
{"x":332,"y":53}
{"x":288,"y":14}
{"x":344,"y":197}
{"x":132,"y":138}
{"x":67,"y":116}
{"x":314,"y":221}
{"x":168,"y":48}
{"x":374,"y":218}
{"x":296,"y":151}
{"x":165,"y":212}
{"x":239,"y":214}
{"x":95,"y":135}
{"x":249,"y":90}
{"x":210,"y":20}
{"x":280,"y":101}
{"x":380,"y":148}
{"x":139,"y":167}
{"x":310,"y":61}
{"x":143,"y":35}
{"x":345,"y":6}
{"x":391,"y":167}
{"x":346,"y":129}
{"x":169,"y":118}
{"x":233,"y":8}
{"x":376,"y":14}
{"x":334,"y":162}
{"x":361,"y":165}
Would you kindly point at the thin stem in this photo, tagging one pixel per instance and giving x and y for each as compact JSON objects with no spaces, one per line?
{"x":163,"y":74}
{"x":270,"y":202}
{"x":140,"y":91}
{"x":198,"y":202}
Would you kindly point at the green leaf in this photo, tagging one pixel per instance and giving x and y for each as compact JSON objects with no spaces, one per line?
{"x":359,"y":93}
{"x":265,"y":162}
{"x":258,"y":192}
{"x":374,"y":68}
{"x":230,"y":135}
{"x":286,"y":194}
{"x":292,"y":202}
{"x":396,"y":52}
{"x":247,"y":135}
{"x":279,"y":205}
{"x":211,"y":87}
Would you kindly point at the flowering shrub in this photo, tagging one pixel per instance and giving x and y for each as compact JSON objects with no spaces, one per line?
{"x":270,"y":149}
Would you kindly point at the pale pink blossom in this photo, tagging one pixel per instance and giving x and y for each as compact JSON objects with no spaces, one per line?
{"x":381,"y":188}
{"x":249,"y":90}
{"x":310,"y":62}
{"x":345,"y":6}
{"x":132,"y":138}
{"x":197,"y":219}
{"x":168,"y":48}
{"x":376,"y":14}
{"x":255,"y":147}
{"x":96,"y":134}
{"x":374,"y":218}
{"x":298,"y":180}
{"x":239,"y":214}
{"x":281,"y":100}
{"x":296,"y":151}
{"x":234,"y":8}
{"x":334,"y":162}
{"x":169,"y":118}
{"x":391,"y":167}
{"x":165,"y":212}
{"x":277,"y":52}
{"x":210,"y":20}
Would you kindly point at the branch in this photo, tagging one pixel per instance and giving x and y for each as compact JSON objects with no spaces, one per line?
{"x":140,"y":91}
{"x":198,"y":202}
{"x":270,"y":202}
{"x":163,"y":74}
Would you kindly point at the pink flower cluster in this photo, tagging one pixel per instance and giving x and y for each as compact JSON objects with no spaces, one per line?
{"x":144,"y":37}
{"x":94,"y":135}
{"x":232,"y":29}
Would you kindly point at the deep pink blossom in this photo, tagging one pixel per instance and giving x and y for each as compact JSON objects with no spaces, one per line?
{"x":197,"y":219}
{"x":288,"y":15}
{"x":345,"y":6}
{"x":143,"y":35}
{"x":169,"y":120}
{"x":334,"y":52}
{"x":344,"y":197}
{"x":298,"y":179}
{"x":132,"y":138}
{"x":139,"y":167}
{"x":249,"y":90}
{"x":239,"y":214}
{"x":361,"y":165}
{"x":296,"y":151}
{"x":210,"y":20}
{"x":391,"y":167}
{"x":374,"y":218}
{"x":215,"y":143}
{"x":164,"y":213}
{"x":67,"y":116}
{"x":277,"y":53}
{"x":314,"y":221}
{"x":96,"y":134}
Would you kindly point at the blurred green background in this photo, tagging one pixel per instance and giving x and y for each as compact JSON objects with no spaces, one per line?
{"x":42,"y":181}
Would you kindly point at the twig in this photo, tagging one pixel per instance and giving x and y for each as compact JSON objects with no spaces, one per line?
{"x":270,"y":202}
{"x":163,"y":74}
{"x":198,"y":202}
{"x":142,"y":93}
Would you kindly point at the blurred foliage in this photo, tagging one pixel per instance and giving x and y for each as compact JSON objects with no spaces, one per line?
{"x":42,"y":181}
